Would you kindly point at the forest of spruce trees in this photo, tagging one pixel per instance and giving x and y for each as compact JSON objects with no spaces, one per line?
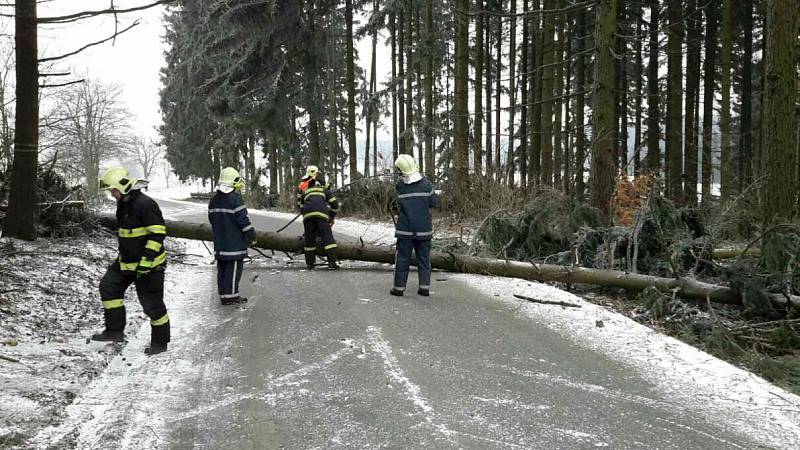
{"x":699,"y":95}
{"x":526,"y":93}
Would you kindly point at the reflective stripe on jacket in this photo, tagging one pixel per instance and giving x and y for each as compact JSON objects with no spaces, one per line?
{"x":314,"y":198}
{"x":414,"y":203}
{"x":141,"y":232}
{"x":230,"y":224}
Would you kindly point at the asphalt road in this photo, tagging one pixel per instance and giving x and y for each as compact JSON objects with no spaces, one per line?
{"x":322,"y":359}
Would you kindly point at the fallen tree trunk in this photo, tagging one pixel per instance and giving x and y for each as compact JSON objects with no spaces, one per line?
{"x":684,"y":287}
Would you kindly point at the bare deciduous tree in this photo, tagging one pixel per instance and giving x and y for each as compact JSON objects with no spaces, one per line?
{"x":145,"y":153}
{"x":88,"y":124}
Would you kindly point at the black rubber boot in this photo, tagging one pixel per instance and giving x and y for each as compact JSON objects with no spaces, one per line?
{"x":424,"y":292}
{"x":155,"y":349}
{"x":234,"y":300}
{"x":109,"y":336}
{"x":396,"y":292}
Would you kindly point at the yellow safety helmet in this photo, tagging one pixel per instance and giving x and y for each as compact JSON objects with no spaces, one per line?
{"x":230,"y":176}
{"x":311,"y":171}
{"x":117,"y":178}
{"x":406,"y":165}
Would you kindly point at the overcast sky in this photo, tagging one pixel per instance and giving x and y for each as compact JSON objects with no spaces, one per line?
{"x":134,"y":60}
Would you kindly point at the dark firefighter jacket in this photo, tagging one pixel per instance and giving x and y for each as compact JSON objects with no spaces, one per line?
{"x":314,"y":199}
{"x":141,"y":233}
{"x":231,"y":226}
{"x":414,"y":203}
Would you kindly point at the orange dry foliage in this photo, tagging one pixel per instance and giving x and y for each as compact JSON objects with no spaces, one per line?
{"x":629,"y":197}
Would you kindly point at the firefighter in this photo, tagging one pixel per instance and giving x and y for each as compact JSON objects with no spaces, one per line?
{"x":233,"y":232}
{"x":319,"y":208}
{"x":414,"y":227}
{"x":141,"y":261}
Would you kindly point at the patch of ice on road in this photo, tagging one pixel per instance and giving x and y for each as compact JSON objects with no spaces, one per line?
{"x":687,"y":377}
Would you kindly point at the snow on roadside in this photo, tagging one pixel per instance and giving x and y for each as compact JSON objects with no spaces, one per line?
{"x":127,"y":406}
{"x":48,"y":306}
{"x":690,"y":378}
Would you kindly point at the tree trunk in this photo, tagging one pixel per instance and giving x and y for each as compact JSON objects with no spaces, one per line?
{"x":393,"y":85}
{"x":409,"y":78}
{"x":558,"y":91}
{"x":489,"y":91}
{"x":726,"y":162}
{"x":745,"y":166}
{"x":694,"y":34}
{"x":512,"y":94}
{"x":534,"y":108}
{"x":580,"y":105}
{"x":273,"y":173}
{"x":498,"y":95}
{"x":523,"y":127}
{"x":461,"y":95}
{"x":622,"y":86}
{"x":780,"y":190}
{"x":674,"y":135}
{"x":399,"y":81}
{"x":537,"y":37}
{"x":602,"y":174}
{"x":548,"y":71}
{"x":478,"y":152}
{"x":685,"y":287}
{"x":333,"y":118}
{"x":567,"y":164}
{"x":418,"y":73}
{"x":638,"y":74}
{"x":653,"y":110}
{"x":20,"y":221}
{"x":370,"y":113}
{"x":351,"y":92}
{"x":430,"y":164}
{"x":708,"y":98}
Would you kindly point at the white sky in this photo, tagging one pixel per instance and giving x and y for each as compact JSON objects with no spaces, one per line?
{"x":136,"y":57}
{"x":133,"y":61}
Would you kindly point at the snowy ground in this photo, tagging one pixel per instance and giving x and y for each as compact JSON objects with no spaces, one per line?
{"x":58,"y":387}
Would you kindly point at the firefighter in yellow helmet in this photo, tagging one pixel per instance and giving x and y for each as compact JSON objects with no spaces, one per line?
{"x":141,"y":261}
{"x":319,"y":208}
{"x":233,"y":232}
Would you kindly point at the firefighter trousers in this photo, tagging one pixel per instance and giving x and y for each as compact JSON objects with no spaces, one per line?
{"x":149,"y":289}
{"x":229,"y":273}
{"x":402,"y":262}
{"x":316,"y":226}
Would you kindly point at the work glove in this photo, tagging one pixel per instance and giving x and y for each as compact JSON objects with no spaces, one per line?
{"x":250,"y":235}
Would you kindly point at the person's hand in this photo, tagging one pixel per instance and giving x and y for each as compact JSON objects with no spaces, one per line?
{"x":253,"y":243}
{"x":332,"y":223}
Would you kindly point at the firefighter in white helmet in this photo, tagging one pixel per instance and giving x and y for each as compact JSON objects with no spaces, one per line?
{"x":233,"y":233}
{"x":414,"y":227}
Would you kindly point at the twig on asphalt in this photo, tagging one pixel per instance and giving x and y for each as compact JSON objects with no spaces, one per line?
{"x":547,"y":302}
{"x":8,"y":358}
